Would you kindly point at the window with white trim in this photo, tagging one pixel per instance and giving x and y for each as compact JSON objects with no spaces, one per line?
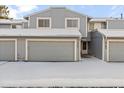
{"x":91,"y":26}
{"x":43,"y":23}
{"x":72,"y":23}
{"x":103,"y":25}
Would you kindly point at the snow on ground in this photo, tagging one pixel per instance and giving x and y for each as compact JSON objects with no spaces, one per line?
{"x":89,"y":72}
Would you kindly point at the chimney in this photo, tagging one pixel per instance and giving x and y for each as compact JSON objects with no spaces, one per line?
{"x":121,"y":16}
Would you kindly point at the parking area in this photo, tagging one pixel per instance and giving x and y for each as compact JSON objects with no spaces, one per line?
{"x":89,"y":72}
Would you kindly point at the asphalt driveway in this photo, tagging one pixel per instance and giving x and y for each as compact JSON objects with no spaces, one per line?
{"x":89,"y":72}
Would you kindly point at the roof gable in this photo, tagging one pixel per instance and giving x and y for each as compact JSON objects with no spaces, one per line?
{"x":49,"y":9}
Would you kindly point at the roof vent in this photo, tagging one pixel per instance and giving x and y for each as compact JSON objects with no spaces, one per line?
{"x":57,"y":7}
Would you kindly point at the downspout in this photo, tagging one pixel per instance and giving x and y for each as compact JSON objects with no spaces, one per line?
{"x":106,"y":37}
{"x":104,"y":41}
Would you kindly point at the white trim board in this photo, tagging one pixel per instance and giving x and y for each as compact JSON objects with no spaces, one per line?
{"x":86,"y":27}
{"x":15,"y":40}
{"x":79,"y":49}
{"x":56,"y":40}
{"x":107,"y":24}
{"x":49,"y":18}
{"x":29,"y":22}
{"x":103,"y":48}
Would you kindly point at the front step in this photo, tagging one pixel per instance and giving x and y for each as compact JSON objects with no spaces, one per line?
{"x":86,"y":56}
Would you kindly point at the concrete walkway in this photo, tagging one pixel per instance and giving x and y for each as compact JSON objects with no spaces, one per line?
{"x":89,"y":72}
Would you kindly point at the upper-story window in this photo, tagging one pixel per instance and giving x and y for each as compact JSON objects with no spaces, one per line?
{"x":43,"y":23}
{"x":97,"y":25}
{"x":72,"y":23}
{"x":103,"y":25}
{"x":91,"y":26}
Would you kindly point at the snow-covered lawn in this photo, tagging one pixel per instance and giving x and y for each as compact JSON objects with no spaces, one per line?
{"x":89,"y":72}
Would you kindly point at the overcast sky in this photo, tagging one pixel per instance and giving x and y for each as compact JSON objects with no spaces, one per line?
{"x":18,"y":11}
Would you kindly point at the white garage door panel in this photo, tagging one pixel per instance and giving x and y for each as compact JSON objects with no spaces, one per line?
{"x":116,"y":51}
{"x":50,"y":51}
{"x":7,"y":50}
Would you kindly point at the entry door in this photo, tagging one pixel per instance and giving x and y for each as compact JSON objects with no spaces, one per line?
{"x":84,"y":47}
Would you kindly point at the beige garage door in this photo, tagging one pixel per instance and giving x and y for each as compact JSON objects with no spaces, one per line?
{"x":116,"y":51}
{"x":7,"y":50}
{"x":51,"y":51}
